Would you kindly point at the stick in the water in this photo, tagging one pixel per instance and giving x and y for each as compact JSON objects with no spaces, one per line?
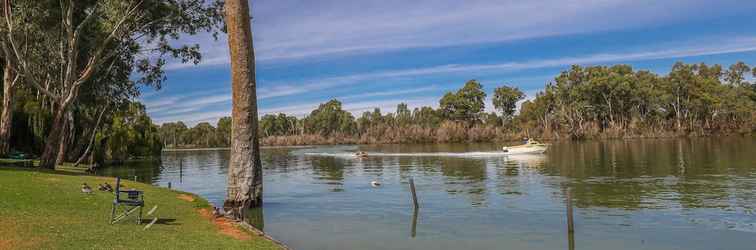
{"x":414,"y":194}
{"x":570,"y":221}
{"x":414,"y":224}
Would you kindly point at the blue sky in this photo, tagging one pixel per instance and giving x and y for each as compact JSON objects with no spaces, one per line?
{"x":372,"y":54}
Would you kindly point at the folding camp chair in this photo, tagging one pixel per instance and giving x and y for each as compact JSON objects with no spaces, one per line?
{"x":134,"y":201}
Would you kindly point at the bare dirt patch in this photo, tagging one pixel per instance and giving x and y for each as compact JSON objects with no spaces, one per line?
{"x":185,"y":197}
{"x":225,"y":226}
{"x":11,"y":239}
{"x":5,"y":244}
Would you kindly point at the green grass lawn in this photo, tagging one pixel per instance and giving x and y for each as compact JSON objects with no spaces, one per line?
{"x":47,"y":210}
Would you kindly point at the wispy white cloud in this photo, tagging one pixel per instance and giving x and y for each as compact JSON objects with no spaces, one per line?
{"x":178,"y":105}
{"x":186,"y":105}
{"x":390,"y":93}
{"x":175,"y":107}
{"x":296,"y":30}
{"x":191,"y":119}
{"x":300,"y":110}
{"x":338,"y":27}
{"x":280,"y":89}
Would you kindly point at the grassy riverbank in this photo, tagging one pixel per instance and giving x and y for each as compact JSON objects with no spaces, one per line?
{"x":47,"y":210}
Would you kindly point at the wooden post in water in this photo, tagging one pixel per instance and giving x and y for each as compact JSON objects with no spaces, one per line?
{"x":181,"y":170}
{"x":169,"y":185}
{"x":414,"y":223}
{"x":570,"y":221}
{"x":571,"y":240}
{"x":414,"y":194}
{"x":416,"y":207}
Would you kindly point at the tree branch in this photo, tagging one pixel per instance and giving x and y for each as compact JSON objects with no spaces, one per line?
{"x":94,"y":59}
{"x":94,"y":134}
{"x":13,"y":54}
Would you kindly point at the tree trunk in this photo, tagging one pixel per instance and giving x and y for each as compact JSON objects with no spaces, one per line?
{"x":60,"y":156}
{"x":92,"y":139}
{"x":677,"y":114}
{"x":6,"y":118}
{"x":245,"y":184}
{"x":65,"y":138}
{"x":52,"y":143}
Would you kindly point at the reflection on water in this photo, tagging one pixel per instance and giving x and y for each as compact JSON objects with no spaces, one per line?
{"x":633,"y":194}
{"x":256,"y":218}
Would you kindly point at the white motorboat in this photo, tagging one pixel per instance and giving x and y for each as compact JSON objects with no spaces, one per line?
{"x":361,"y":155}
{"x":530,"y":147}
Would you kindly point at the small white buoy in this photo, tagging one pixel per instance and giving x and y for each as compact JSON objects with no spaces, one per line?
{"x":375,"y":183}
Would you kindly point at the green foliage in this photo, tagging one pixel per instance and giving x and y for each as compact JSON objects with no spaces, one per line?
{"x":173,"y":133}
{"x":90,"y":58}
{"x":692,"y":97}
{"x":223,"y":133}
{"x":278,"y":125}
{"x":427,"y":117}
{"x":132,"y":134}
{"x":403,"y":115}
{"x":491,"y":119}
{"x":505,"y":100}
{"x":329,"y":118}
{"x":466,"y":104}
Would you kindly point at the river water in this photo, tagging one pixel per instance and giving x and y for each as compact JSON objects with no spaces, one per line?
{"x":627,"y":194}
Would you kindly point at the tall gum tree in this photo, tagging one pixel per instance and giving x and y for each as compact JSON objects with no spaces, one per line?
{"x":505,"y":100}
{"x":245,"y":184}
{"x":10,"y":78}
{"x":58,"y":47}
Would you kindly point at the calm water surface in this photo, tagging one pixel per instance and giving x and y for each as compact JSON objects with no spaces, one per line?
{"x":635,"y":194}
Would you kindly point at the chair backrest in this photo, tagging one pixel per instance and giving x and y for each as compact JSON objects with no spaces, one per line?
{"x":133,"y":195}
{"x":117,"y":188}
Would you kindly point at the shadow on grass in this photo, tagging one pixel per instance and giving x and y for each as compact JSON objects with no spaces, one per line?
{"x":168,"y":222}
{"x":43,"y":170}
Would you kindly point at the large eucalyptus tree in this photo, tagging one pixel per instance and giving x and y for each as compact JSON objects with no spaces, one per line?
{"x":245,"y":184}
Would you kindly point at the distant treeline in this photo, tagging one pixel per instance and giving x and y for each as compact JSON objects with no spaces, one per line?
{"x":582,"y":102}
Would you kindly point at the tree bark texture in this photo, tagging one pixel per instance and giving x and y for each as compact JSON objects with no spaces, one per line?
{"x":245,"y":184}
{"x":65,"y":138}
{"x":52,"y":143}
{"x":6,"y":118}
